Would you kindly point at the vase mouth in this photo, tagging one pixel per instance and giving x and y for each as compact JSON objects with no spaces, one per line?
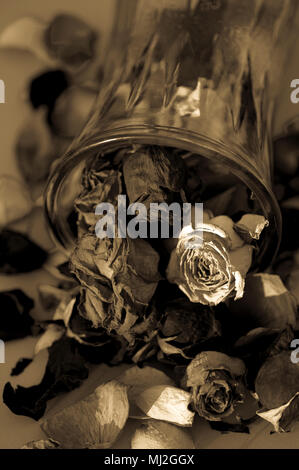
{"x":107,"y":141}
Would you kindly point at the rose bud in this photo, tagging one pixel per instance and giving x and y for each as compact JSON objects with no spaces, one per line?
{"x":70,"y":40}
{"x":156,"y":434}
{"x":185,"y":328}
{"x":266,"y":303}
{"x":277,"y":387}
{"x":216,"y":383}
{"x":210,"y":262}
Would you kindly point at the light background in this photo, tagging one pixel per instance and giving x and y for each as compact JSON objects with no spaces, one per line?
{"x":16,"y":69}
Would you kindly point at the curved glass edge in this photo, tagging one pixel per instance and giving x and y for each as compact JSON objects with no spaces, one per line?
{"x":111,"y":140}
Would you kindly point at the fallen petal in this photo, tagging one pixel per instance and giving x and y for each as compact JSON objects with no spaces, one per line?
{"x":166,"y":403}
{"x":160,"y":435}
{"x":94,"y":422}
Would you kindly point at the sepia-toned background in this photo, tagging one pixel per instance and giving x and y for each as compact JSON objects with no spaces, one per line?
{"x":16,"y":70}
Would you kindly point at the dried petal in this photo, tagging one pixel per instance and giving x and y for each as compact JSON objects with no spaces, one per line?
{"x":94,"y":422}
{"x":65,"y":371}
{"x":50,"y":297}
{"x":16,"y":321}
{"x":42,"y":444}
{"x":54,"y":261}
{"x":250,"y":226}
{"x":227,"y":224}
{"x":166,"y":403}
{"x":282,"y":372}
{"x":276,"y":416}
{"x":152,"y":175}
{"x":53,"y":333}
{"x":159,"y":435}
{"x":139,"y":379}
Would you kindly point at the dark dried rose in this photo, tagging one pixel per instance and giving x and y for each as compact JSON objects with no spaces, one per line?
{"x":18,"y":254}
{"x":185,"y":328}
{"x":99,"y":186}
{"x":217,"y":384}
{"x":153,"y":176}
{"x":70,"y":40}
{"x":120,"y":277}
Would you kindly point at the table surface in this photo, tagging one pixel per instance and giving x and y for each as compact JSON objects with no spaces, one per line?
{"x":16,"y":69}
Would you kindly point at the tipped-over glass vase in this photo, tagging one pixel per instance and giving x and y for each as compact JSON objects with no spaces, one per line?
{"x":198,"y":76}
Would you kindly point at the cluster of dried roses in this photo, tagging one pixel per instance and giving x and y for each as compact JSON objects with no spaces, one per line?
{"x":217,"y":372}
{"x":223,"y":335}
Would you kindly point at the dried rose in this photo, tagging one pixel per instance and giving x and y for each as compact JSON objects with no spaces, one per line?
{"x":94,"y":422}
{"x":153,"y":176}
{"x":266,"y":303}
{"x":280,"y":402}
{"x":185,"y":328}
{"x":216,"y":383}
{"x":156,"y":434}
{"x":119,"y":277}
{"x":210,"y":262}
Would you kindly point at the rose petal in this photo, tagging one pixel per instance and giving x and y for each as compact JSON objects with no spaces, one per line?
{"x":226,"y":224}
{"x":251,"y":225}
{"x":241,"y":259}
